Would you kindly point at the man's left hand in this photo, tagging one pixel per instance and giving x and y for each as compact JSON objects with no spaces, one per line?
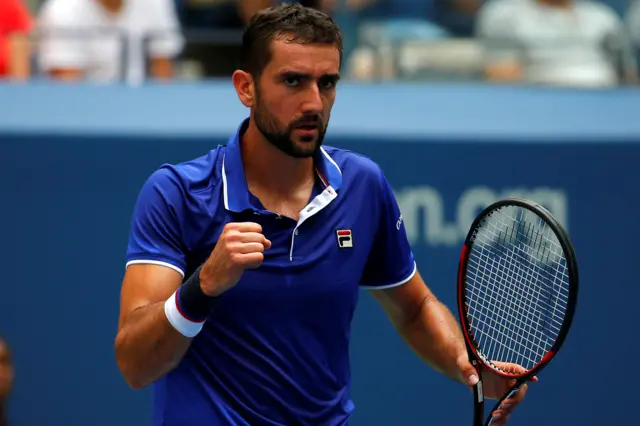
{"x":496,"y":386}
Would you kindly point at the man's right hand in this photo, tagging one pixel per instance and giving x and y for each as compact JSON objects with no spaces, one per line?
{"x":241,"y":246}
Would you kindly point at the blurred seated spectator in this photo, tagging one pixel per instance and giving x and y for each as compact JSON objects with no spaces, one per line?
{"x":213,"y":31}
{"x":557,"y":42}
{"x":633,"y":23}
{"x":457,"y":16}
{"x":395,"y":18}
{"x":15,"y":26}
{"x":108,"y":40}
{"x":6,"y":379}
{"x":374,"y":28}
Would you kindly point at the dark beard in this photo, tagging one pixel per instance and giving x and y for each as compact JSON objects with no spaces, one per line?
{"x":283,"y":138}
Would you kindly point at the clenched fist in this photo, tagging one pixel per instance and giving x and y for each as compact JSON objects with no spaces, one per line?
{"x":241,"y":246}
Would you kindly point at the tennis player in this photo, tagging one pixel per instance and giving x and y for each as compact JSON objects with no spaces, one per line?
{"x":244,"y":265}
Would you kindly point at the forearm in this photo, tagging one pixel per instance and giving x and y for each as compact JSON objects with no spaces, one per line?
{"x":162,"y":69}
{"x":148,"y":346}
{"x":19,"y":66}
{"x":435,"y":336}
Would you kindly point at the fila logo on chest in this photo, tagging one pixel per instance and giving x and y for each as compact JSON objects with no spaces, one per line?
{"x":345,"y":238}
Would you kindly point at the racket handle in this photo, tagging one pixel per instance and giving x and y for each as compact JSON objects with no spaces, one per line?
{"x":478,"y":404}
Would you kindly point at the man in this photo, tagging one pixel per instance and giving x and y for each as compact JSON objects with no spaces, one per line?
{"x":15,"y":27}
{"x":578,"y":43}
{"x":6,"y":380}
{"x":108,"y":41}
{"x":273,"y":235}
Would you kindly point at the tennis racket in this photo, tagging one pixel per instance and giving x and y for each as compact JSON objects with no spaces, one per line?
{"x":517,"y":292}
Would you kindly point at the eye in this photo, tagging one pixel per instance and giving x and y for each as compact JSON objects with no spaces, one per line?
{"x":326,"y":83}
{"x":292,"y":81}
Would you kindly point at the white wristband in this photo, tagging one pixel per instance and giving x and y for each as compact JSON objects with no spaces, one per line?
{"x":178,"y":320}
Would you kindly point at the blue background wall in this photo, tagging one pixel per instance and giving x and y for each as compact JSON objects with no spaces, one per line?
{"x":72,"y":160}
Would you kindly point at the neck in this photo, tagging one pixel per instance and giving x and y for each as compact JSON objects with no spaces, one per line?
{"x":268,"y":167}
{"x":556,"y":3}
{"x":112,"y":6}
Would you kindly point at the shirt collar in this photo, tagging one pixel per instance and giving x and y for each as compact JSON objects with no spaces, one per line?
{"x":235,"y":189}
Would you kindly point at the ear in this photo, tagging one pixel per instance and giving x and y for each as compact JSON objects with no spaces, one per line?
{"x":245,"y":87}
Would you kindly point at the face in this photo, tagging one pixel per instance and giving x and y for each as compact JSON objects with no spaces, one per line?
{"x":294,"y":95}
{"x":6,"y":371}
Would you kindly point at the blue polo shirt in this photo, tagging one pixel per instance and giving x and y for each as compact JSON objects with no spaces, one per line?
{"x":275,"y":351}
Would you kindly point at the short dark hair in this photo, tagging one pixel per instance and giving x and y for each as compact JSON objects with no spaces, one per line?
{"x":293,"y":22}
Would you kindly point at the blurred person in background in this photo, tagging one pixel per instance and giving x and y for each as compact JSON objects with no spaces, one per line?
{"x":556,"y":42}
{"x":109,"y":40}
{"x":6,"y":379}
{"x":214,"y":29}
{"x":370,"y":27}
{"x":633,"y":24}
{"x":15,"y":26}
{"x":374,"y":29}
{"x":457,"y":16}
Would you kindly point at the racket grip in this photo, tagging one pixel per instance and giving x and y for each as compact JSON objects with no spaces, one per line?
{"x":478,"y":404}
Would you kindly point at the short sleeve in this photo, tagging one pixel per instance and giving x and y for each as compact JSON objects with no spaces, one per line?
{"x":60,"y":43}
{"x":391,"y":261}
{"x":156,"y":231}
{"x":166,"y":38}
{"x":18,"y":18}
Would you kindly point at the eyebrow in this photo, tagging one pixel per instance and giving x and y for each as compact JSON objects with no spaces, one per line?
{"x":300,"y":75}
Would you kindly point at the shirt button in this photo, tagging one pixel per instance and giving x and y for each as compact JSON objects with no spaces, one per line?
{"x":296,"y":232}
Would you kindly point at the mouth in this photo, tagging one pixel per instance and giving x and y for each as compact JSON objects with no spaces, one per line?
{"x":308,"y":126}
{"x":308,"y":129}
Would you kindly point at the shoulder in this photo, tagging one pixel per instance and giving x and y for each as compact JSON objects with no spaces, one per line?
{"x":498,"y":17}
{"x":63,"y":12}
{"x":359,"y":172}
{"x":161,"y":10}
{"x":497,"y":9}
{"x":190,"y":180}
{"x":353,"y":164}
{"x":597,"y":12}
{"x":11,"y":8}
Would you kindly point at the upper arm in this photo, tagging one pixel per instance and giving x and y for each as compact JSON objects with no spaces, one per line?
{"x":19,"y":52}
{"x":146,"y":284}
{"x":156,"y":253}
{"x":403,"y":303}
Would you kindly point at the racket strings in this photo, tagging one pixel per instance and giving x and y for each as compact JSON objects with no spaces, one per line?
{"x":517,"y":287}
{"x":496,"y":331}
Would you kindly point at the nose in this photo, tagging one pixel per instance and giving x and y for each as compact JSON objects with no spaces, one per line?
{"x":312,"y":100}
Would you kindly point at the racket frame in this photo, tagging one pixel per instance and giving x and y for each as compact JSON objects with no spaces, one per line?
{"x":474,"y":357}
